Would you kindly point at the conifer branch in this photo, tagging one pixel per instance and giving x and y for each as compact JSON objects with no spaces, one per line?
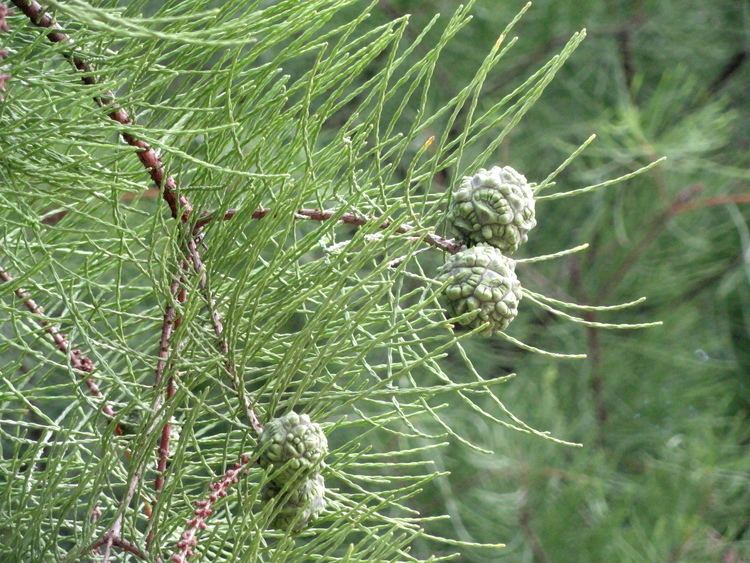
{"x":78,"y":360}
{"x":170,"y":323}
{"x":445,"y":244}
{"x":123,"y":544}
{"x":180,"y":208}
{"x":204,"y":509}
{"x":178,"y":205}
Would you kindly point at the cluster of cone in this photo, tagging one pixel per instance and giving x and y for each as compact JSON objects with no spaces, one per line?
{"x":293,"y":448}
{"x":492,"y":211}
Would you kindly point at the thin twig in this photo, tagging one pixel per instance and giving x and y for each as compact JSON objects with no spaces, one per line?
{"x":170,"y":323}
{"x":78,"y":360}
{"x":447,"y":245}
{"x":204,"y":509}
{"x":218,"y":327}
{"x":125,"y":545}
{"x":737,"y":199}
{"x":436,"y":241}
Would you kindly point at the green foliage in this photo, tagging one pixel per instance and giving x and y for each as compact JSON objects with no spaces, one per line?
{"x":665,"y":477}
{"x":291,"y":105}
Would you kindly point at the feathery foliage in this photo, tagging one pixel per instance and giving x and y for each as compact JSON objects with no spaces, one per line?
{"x":319,"y":134}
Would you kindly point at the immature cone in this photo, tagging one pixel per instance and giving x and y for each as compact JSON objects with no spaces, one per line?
{"x":298,"y":506}
{"x":495,"y":206}
{"x":481,"y":279}
{"x":294,"y":445}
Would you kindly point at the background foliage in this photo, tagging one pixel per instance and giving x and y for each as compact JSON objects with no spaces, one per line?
{"x":663,"y":414}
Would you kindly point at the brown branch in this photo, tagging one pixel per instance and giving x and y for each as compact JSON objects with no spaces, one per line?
{"x":171,"y":322}
{"x":436,"y":241}
{"x":113,"y":535}
{"x":178,"y":205}
{"x":4,"y":12}
{"x":204,"y":509}
{"x":738,"y":199}
{"x":447,"y":245}
{"x":125,"y":545}
{"x":685,"y":207}
{"x":78,"y":360}
{"x":594,"y":353}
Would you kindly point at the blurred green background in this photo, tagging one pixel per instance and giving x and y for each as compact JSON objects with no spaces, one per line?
{"x":664,"y":474}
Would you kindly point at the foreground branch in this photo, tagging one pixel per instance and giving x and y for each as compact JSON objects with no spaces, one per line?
{"x":180,"y":209}
{"x":436,"y":241}
{"x":178,"y":205}
{"x":169,"y":324}
{"x":204,"y":509}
